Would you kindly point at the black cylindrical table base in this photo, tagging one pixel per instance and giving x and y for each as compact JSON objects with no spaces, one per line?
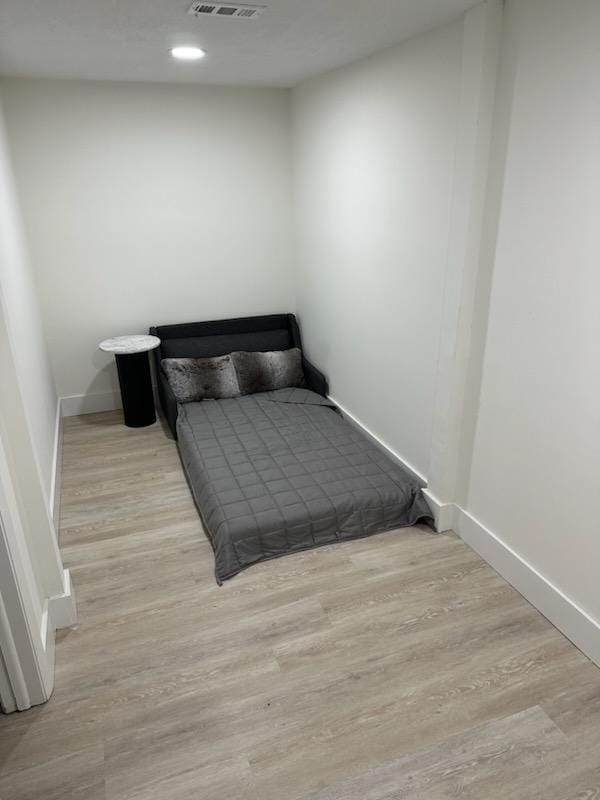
{"x":136,"y":389}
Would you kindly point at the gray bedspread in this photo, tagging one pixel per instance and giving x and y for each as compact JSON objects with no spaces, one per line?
{"x":278,"y":472}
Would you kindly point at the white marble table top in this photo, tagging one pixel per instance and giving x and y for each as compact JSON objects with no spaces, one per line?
{"x":122,"y":345}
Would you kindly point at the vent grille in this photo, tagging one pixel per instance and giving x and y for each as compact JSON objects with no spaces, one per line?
{"x":225,"y":10}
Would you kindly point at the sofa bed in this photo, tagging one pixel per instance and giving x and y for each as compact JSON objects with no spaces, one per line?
{"x":276,"y":472}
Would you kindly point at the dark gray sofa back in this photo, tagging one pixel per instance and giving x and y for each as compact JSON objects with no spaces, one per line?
{"x":220,"y":337}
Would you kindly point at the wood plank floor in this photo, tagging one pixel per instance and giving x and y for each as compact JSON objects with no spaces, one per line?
{"x":400,"y":666}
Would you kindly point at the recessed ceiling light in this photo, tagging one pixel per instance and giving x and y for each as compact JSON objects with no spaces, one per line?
{"x":187,"y":53}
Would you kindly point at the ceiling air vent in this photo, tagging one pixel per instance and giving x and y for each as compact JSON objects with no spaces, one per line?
{"x":232,"y":11}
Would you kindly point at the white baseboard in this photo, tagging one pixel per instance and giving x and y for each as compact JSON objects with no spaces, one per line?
{"x":562,"y":612}
{"x":377,"y":441}
{"x":62,"y":610}
{"x":58,"y":612}
{"x":46,"y":660}
{"x":54,"y":499}
{"x":76,"y":404}
{"x":444,"y":514}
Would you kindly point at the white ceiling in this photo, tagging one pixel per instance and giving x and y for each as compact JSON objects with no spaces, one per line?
{"x":130,"y":39}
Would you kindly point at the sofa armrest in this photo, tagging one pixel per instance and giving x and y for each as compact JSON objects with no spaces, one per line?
{"x":315,"y":380}
{"x":168,"y":403}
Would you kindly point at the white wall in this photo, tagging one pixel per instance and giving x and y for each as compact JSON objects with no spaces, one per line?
{"x":486,"y":243}
{"x":535,"y":472}
{"x":19,"y":299}
{"x":28,"y":405}
{"x":374,"y":147}
{"x":149,"y":204}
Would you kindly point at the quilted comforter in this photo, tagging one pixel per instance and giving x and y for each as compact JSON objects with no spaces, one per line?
{"x":278,"y":472}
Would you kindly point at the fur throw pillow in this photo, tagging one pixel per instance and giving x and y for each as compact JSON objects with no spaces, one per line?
{"x":266,"y":372}
{"x":194,"y":379}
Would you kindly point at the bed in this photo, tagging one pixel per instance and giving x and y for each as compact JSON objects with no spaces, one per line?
{"x":278,"y":472}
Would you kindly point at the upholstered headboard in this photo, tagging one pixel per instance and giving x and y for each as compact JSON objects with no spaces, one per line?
{"x":220,"y":337}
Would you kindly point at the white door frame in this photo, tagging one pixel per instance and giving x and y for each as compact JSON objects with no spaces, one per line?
{"x":26,"y":649}
{"x":8,"y":703}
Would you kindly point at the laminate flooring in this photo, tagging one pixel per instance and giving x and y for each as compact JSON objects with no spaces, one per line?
{"x":399,"y":666}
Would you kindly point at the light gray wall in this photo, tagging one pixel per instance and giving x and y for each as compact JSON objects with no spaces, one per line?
{"x":377,"y":205}
{"x":536,"y":458}
{"x":28,"y":402}
{"x":149,"y":204}
{"x":19,"y":300}
{"x":374,"y":149}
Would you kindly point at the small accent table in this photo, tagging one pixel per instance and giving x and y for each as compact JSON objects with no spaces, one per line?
{"x":131,"y":355}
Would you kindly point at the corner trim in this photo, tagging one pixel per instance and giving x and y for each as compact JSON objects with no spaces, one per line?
{"x":8,"y":702}
{"x":444,"y":514}
{"x":13,"y":678}
{"x":575,"y":623}
{"x":75,"y":404}
{"x":62,"y":610}
{"x":377,"y":441}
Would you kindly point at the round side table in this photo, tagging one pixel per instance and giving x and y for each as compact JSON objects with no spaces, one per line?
{"x":133,"y":367}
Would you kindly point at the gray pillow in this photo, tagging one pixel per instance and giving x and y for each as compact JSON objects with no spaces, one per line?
{"x":266,"y":372}
{"x":194,"y":379}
